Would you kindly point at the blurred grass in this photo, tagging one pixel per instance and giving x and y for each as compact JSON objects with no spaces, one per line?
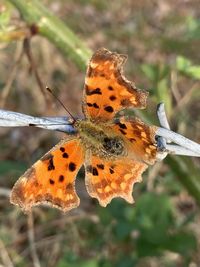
{"x":161,"y":39}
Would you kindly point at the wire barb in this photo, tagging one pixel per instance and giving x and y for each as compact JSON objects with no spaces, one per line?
{"x":16,"y":119}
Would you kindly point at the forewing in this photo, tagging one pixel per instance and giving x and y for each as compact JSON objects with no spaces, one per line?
{"x":51,"y":179}
{"x":106,"y":90}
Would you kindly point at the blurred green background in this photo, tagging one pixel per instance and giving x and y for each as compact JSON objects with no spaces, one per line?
{"x":162,"y":40}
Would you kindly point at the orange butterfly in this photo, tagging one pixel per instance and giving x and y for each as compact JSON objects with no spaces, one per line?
{"x":115,"y":152}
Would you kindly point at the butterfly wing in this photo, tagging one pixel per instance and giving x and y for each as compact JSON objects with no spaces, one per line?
{"x":106,"y":90}
{"x":139,"y":138}
{"x":107,"y":179}
{"x":51,"y":179}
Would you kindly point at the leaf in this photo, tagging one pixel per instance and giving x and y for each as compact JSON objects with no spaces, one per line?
{"x":185,"y":66}
{"x":182,"y":242}
{"x":153,"y":217}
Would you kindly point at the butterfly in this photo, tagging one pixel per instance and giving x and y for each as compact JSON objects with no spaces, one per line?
{"x":115,"y":150}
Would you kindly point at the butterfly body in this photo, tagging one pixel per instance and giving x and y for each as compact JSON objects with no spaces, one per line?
{"x":114,"y":152}
{"x":100,"y":139}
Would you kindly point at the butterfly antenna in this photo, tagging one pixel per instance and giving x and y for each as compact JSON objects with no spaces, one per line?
{"x":50,"y":91}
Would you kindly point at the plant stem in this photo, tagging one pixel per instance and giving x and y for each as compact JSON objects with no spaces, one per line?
{"x":48,"y":25}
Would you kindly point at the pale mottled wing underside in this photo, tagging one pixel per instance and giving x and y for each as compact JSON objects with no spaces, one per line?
{"x":140,"y":138}
{"x":107,"y":179}
{"x":51,"y":179}
{"x":106,"y":90}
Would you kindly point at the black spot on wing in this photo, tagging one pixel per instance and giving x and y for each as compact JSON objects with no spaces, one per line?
{"x":89,"y":104}
{"x":51,"y":181}
{"x":95,"y":105}
{"x":92,"y":170}
{"x":61,"y":178}
{"x":109,"y":109}
{"x":72,"y":166}
{"x":111,"y":170}
{"x":122,"y":125}
{"x":92,"y":105}
{"x":96,"y":91}
{"x":65,"y":155}
{"x":95,"y":171}
{"x":51,"y":165}
{"x":112,"y":97}
{"x":100,"y":166}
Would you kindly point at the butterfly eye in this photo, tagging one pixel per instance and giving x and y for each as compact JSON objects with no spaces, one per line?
{"x":113,"y":146}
